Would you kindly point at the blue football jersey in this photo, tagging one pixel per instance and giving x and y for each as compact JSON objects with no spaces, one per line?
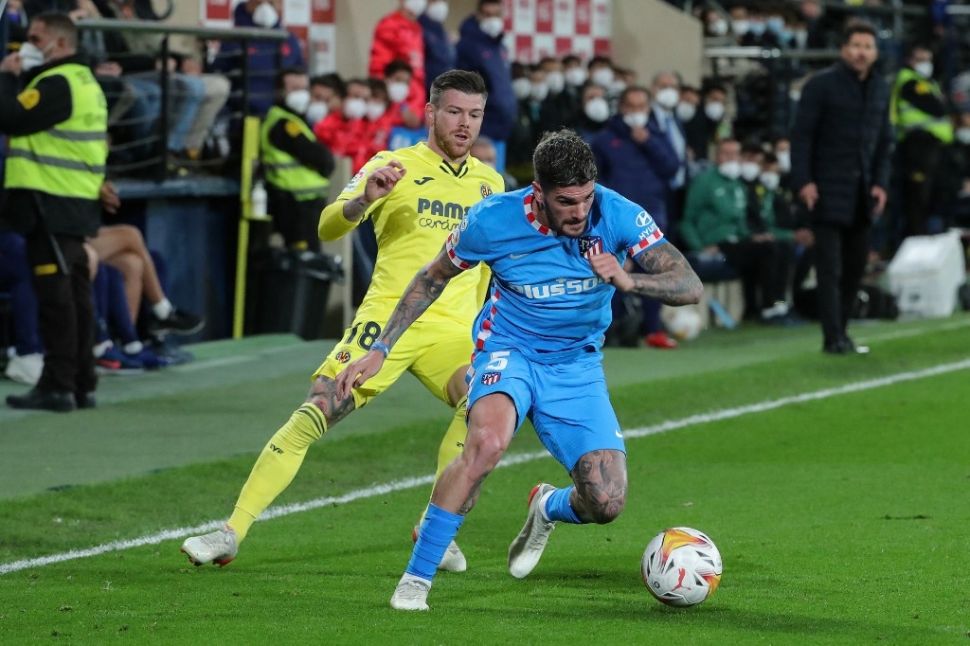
{"x":545,"y":299}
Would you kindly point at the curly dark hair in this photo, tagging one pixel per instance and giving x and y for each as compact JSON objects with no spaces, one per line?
{"x":562,"y":158}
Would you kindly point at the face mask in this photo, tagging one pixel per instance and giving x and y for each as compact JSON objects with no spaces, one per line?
{"x":801,"y":37}
{"x":437,"y":11}
{"x":597,"y":109}
{"x":602,"y":76}
{"x":397,"y":91}
{"x":686,"y":112}
{"x":538,"y":91}
{"x":316,"y":111}
{"x":265,"y":15}
{"x":355,"y":108}
{"x":756,"y":28}
{"x":493,"y":26}
{"x":730,"y":169}
{"x":750,"y":171}
{"x":668,"y":98}
{"x":963,"y":136}
{"x":635,"y":119}
{"x":775,"y":24}
{"x":718,"y":28}
{"x":298,"y":101}
{"x":576,"y":76}
{"x":714,"y":110}
{"x":617,"y":86}
{"x":375,"y":110}
{"x":770,"y":180}
{"x":740,"y":27}
{"x":416,"y":7}
{"x":522,"y":88}
{"x":924,"y":69}
{"x":30,"y":57}
{"x":556,"y":81}
{"x":784,"y":160}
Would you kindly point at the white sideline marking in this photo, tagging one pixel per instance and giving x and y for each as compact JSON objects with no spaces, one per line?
{"x":507,"y":461}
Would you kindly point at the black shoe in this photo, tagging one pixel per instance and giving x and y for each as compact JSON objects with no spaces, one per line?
{"x":834,"y":347}
{"x":85,"y":400}
{"x":852,"y":348}
{"x":178,"y":322}
{"x":37,"y":399}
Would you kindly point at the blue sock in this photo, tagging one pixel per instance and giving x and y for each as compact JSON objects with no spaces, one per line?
{"x":558,"y":507}
{"x":437,"y":531}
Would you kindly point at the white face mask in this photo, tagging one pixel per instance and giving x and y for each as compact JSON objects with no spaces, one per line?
{"x":355,"y":108}
{"x":718,"y":28}
{"x":416,"y":7}
{"x":668,"y":98}
{"x":316,"y":111}
{"x":538,"y":91}
{"x":375,"y":110}
{"x":493,"y":26}
{"x":714,"y":110}
{"x":597,"y":109}
{"x":686,"y":112}
{"x":635,"y":119}
{"x":602,"y":76}
{"x":750,"y":171}
{"x":617,"y":87}
{"x":556,"y":81}
{"x":963,"y":135}
{"x":522,"y":88}
{"x":298,"y":101}
{"x":397,"y":91}
{"x":30,"y":57}
{"x":784,"y":160}
{"x":924,"y":69}
{"x":576,"y":76}
{"x":770,"y":180}
{"x":437,"y":10}
{"x":740,"y":27}
{"x":265,"y":15}
{"x":730,"y":169}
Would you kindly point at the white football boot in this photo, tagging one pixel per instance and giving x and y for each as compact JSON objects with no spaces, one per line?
{"x":219,"y":547}
{"x":411,"y":593}
{"x":526,"y":549}
{"x":453,"y":560}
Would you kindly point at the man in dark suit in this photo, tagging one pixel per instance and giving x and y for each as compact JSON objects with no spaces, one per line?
{"x":841,"y":143}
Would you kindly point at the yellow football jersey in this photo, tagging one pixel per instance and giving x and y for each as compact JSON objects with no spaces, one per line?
{"x":412,"y":222}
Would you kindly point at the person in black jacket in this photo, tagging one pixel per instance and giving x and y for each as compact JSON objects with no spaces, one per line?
{"x":841,"y":143}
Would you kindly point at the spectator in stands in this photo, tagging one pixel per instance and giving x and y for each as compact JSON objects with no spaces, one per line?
{"x":53,"y":188}
{"x":663,"y":113}
{"x":265,"y":58}
{"x":295,"y":165}
{"x":439,"y":51}
{"x":751,"y":158}
{"x":557,"y":110}
{"x":690,"y":99}
{"x":715,"y":230}
{"x":841,"y":143}
{"x":954,"y":184}
{"x":575,"y":75}
{"x":344,"y":132}
{"x":480,"y":49}
{"x":635,"y":158}
{"x":327,"y":93}
{"x":706,"y":126}
{"x":923,"y":127}
{"x":382,"y":116}
{"x":531,"y":122}
{"x":484,"y":151}
{"x":215,"y":92}
{"x":398,"y":77}
{"x":26,"y":361}
{"x":399,"y":36}
{"x":781,"y":147}
{"x":595,"y":112}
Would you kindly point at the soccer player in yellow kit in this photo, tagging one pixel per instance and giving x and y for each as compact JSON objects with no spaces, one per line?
{"x":415,"y":196}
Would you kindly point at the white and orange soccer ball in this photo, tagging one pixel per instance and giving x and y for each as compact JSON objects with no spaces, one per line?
{"x":681,"y":566}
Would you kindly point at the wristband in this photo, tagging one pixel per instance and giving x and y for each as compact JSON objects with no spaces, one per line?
{"x":380,"y":347}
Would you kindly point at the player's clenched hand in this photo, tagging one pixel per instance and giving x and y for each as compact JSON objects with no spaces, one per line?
{"x":359,"y":371}
{"x":607,"y":267}
{"x":383,"y":179}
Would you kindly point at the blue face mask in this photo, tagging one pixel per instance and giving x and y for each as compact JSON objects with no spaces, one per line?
{"x":776,"y":24}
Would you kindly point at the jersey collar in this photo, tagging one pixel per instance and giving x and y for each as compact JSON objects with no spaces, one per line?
{"x":531,"y":217}
{"x":433,"y":158}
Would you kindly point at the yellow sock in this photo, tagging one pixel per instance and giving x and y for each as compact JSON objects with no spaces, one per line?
{"x":453,"y":442}
{"x":276,"y":466}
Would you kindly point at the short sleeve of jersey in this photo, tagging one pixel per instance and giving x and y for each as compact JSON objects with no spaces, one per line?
{"x":633,"y":227}
{"x":467,"y":245}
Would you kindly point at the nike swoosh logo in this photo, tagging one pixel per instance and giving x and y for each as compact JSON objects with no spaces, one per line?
{"x":516,"y":256}
{"x":423,"y":180}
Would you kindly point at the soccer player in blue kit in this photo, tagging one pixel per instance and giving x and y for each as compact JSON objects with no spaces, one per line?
{"x":556,"y":250}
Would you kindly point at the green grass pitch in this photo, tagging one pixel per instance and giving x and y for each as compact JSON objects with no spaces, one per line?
{"x":843,"y":519}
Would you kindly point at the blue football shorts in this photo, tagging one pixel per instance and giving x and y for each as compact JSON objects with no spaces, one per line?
{"x":567,"y":401}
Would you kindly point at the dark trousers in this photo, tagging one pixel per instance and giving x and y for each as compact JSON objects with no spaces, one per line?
{"x":764,"y":268}
{"x":66,"y":312}
{"x":920,"y":154}
{"x":840,"y":262}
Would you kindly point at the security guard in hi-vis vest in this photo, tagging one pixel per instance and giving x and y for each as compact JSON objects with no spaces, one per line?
{"x":295,"y":165}
{"x":55,"y":116}
{"x":923,"y":127}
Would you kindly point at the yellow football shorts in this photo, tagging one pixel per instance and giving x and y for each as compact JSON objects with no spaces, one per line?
{"x":431,"y":350}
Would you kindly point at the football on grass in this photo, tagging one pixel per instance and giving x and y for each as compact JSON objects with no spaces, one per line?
{"x":681,"y":566}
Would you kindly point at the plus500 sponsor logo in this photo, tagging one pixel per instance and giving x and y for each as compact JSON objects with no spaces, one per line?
{"x":561,"y":287}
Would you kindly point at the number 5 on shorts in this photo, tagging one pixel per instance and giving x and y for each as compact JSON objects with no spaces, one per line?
{"x":498,"y":360}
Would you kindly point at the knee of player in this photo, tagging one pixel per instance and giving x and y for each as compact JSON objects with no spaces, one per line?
{"x":607,"y":511}
{"x":484,"y":449}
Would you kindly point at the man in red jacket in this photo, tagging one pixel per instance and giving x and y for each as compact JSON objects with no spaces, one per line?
{"x":398,"y":35}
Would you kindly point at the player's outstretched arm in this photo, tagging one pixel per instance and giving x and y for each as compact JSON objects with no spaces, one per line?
{"x":425,"y":288}
{"x":669,"y":278}
{"x":343,"y":215}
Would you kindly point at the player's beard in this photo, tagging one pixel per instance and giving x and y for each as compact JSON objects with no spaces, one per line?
{"x":453,"y":148}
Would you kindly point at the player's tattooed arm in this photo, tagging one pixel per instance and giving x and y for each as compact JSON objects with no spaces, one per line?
{"x":669,"y":277}
{"x":425,"y":288}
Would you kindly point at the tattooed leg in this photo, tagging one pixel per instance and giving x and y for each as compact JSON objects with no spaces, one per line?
{"x":323,"y":395}
{"x":600,"y":479}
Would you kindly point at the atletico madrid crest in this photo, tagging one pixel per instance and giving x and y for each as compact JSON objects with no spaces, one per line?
{"x":590,"y":246}
{"x":491,"y":378}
